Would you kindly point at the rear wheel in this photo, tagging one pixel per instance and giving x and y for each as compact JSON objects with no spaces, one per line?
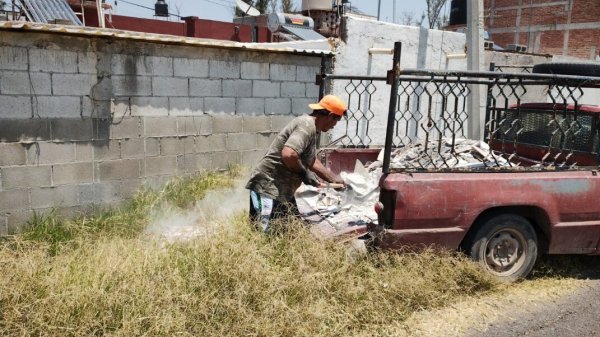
{"x":506,"y":246}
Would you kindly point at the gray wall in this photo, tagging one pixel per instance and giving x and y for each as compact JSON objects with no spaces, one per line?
{"x":88,"y":120}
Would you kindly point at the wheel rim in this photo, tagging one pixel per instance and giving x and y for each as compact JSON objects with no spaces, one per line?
{"x":504,"y":252}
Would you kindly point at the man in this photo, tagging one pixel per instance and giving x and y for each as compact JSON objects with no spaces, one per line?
{"x":291,"y":160}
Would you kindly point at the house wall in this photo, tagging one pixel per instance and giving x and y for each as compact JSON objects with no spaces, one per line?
{"x":88,"y":120}
{"x":569,"y":27}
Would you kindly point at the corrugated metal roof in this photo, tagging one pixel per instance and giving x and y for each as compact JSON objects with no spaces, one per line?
{"x":158,"y":38}
{"x":46,"y":10}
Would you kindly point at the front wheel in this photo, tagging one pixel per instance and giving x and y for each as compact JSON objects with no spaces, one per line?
{"x":506,"y":246}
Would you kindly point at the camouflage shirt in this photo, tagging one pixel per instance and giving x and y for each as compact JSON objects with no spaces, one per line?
{"x":271,"y":177}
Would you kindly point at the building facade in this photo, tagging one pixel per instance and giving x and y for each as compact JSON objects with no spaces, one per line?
{"x":561,"y":27}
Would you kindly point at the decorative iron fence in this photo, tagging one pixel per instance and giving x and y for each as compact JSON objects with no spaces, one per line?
{"x":529,"y":121}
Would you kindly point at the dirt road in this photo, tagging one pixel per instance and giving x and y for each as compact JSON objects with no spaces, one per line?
{"x":566,"y":305}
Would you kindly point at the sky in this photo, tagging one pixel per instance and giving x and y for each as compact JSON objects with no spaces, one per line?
{"x":221,"y":10}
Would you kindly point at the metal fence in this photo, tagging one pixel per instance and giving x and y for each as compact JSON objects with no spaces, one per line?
{"x":532,"y":121}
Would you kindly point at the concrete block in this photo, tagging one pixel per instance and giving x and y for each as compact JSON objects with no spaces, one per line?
{"x":255,"y":71}
{"x":14,"y":200}
{"x":119,"y":169}
{"x":211,"y":143}
{"x":152,"y":147}
{"x":54,"y":106}
{"x":250,"y":106}
{"x":73,"y":84}
{"x":144,"y":106}
{"x":3,"y":224}
{"x":307,"y":74}
{"x":264,"y":140}
{"x":224,"y":69}
{"x":12,"y":154}
{"x":227,"y":124}
{"x":169,"y":86}
{"x":241,"y":141}
{"x":101,"y":192}
{"x":156,"y":182}
{"x":172,"y":146}
{"x":194,"y":126}
{"x":86,"y":63}
{"x":50,"y":153}
{"x":278,"y":106}
{"x":18,"y":177}
{"x":237,"y":88}
{"x":17,"y":107}
{"x":127,"y":127}
{"x":215,"y":105}
{"x":312,"y":91}
{"x":266,"y":89}
{"x":84,"y":151}
{"x":193,"y":163}
{"x":224,"y":160}
{"x":279,"y":122}
{"x":142,"y":65}
{"x":256,"y":124}
{"x":282,"y":72}
{"x":205,"y":88}
{"x":72,"y":174}
{"x":132,"y":148}
{"x":24,"y":130}
{"x":53,"y":61}
{"x":300,"y":105}
{"x":251,"y":158}
{"x":59,"y":196}
{"x":293,"y":89}
{"x":13,"y":58}
{"x":128,"y":187}
{"x":128,"y":85}
{"x":158,"y":166}
{"x":25,"y":83}
{"x":16,"y":221}
{"x":160,"y":126}
{"x":186,"y":106}
{"x":190,"y":67}
{"x":159,"y":66}
{"x":73,"y":129}
{"x":107,"y":150}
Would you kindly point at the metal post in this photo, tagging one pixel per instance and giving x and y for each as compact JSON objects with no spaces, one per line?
{"x":100,"y":14}
{"x":378,"y":10}
{"x":393,"y":80}
{"x":488,"y":105}
{"x":321,"y":77}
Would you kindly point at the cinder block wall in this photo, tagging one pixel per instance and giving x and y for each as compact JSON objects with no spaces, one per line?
{"x":87,"y":120}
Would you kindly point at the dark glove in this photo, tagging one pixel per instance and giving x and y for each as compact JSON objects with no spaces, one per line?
{"x":309,"y":178}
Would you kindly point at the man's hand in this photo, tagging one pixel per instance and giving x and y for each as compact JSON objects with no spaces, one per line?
{"x":309,"y":178}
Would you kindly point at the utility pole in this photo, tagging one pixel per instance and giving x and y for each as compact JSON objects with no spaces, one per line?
{"x":475,"y":58}
{"x":378,"y":10}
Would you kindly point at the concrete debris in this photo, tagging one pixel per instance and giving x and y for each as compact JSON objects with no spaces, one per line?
{"x":446,"y":153}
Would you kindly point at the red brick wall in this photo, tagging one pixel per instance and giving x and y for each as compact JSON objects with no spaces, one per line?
{"x":545,"y":24}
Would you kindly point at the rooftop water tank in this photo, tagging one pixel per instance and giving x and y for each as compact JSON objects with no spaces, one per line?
{"x":322,"y":5}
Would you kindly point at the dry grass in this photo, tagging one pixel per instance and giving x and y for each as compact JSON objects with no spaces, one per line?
{"x":98,"y":276}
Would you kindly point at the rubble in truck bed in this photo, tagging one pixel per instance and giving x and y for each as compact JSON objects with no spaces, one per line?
{"x":335,"y":212}
{"x":446,"y":153}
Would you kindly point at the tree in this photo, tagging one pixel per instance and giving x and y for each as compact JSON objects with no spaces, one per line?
{"x":274,"y":6}
{"x":287,"y":6}
{"x":407,"y":19}
{"x":434,"y":8}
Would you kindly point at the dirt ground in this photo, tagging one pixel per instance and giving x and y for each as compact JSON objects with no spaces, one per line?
{"x":565,"y":305}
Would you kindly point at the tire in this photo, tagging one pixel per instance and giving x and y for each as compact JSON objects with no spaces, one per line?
{"x":506,"y":246}
{"x":577,"y":69}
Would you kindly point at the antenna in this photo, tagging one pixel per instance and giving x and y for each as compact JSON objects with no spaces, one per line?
{"x":246,"y":8}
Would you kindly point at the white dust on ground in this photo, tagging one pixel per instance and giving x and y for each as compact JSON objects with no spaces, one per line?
{"x":209,"y":215}
{"x":477,"y":314}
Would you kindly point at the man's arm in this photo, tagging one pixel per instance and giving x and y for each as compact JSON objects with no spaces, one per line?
{"x":324,"y":173}
{"x":292,"y":161}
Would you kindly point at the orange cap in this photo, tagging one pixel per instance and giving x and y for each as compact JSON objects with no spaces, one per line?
{"x":330,"y":103}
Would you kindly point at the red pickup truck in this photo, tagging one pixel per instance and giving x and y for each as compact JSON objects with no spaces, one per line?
{"x":543,"y":202}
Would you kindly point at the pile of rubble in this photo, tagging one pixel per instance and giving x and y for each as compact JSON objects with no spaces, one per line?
{"x":445,"y":153}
